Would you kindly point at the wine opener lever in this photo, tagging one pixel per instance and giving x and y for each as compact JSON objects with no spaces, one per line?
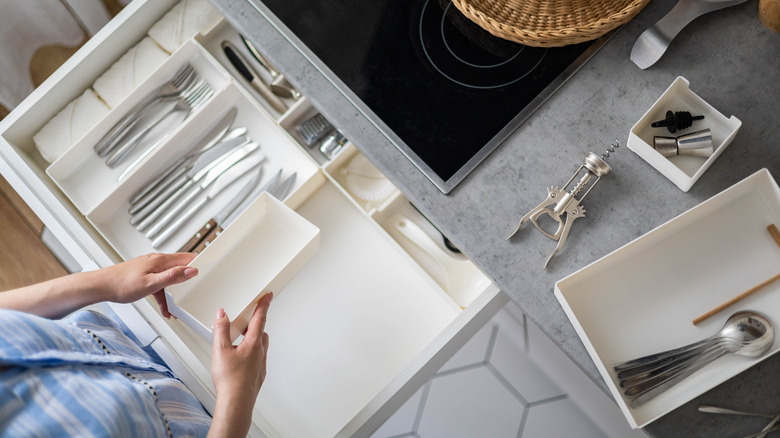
{"x":565,"y":202}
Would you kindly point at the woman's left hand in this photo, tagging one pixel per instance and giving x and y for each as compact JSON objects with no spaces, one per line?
{"x":145,"y":275}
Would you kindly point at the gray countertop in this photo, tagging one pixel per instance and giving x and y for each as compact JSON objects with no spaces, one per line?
{"x":731,"y":60}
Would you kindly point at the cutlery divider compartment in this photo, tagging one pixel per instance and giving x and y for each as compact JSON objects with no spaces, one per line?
{"x":212,"y":43}
{"x":336,"y":170}
{"x":83,"y":176}
{"x":111,"y":218}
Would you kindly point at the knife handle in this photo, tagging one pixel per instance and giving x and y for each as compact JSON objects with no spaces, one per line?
{"x":174,"y":213}
{"x":159,"y":204}
{"x":199,"y":236}
{"x":213,"y":234}
{"x":162,"y":185}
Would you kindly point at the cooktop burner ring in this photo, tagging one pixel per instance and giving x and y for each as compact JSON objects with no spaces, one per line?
{"x":495,"y":71}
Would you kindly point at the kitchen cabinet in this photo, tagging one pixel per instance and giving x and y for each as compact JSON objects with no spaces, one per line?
{"x":358,"y":330}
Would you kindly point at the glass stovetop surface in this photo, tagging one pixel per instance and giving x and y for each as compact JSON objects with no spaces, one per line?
{"x":448,"y":89}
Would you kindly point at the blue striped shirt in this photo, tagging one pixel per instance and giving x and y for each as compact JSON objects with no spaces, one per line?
{"x":82,"y":376}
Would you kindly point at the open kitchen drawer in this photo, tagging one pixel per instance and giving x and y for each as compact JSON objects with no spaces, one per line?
{"x":360,"y":328}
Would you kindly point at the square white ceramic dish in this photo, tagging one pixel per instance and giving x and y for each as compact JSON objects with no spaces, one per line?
{"x":683,"y":171}
{"x":267,"y":246}
{"x":642,"y":298}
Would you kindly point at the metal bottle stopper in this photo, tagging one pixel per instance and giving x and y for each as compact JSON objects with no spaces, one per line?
{"x":566,"y":202}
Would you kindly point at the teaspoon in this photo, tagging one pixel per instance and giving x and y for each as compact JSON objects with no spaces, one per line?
{"x":745,"y":333}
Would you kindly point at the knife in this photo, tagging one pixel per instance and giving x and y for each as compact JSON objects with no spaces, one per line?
{"x":206,"y":142}
{"x":176,"y":170}
{"x":225,"y":180}
{"x":243,"y":68}
{"x":218,"y":222}
{"x":205,"y":164}
{"x":195,"y":171}
{"x":281,"y":191}
{"x":214,"y":227}
{"x":182,"y":198}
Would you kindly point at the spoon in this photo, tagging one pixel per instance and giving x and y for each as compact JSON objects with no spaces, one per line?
{"x":459,"y":277}
{"x":745,"y":333}
{"x":279,"y":85}
{"x":653,"y":42}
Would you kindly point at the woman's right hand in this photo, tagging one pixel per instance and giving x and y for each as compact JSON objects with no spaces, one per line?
{"x":238,"y":372}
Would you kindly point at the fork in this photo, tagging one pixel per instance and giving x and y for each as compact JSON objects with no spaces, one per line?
{"x":189,"y":101}
{"x":170,"y":90}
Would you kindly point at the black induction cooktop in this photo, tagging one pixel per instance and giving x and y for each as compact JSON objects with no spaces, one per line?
{"x":447,"y":91}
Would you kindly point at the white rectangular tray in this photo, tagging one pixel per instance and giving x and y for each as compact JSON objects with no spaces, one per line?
{"x":259,"y":253}
{"x":642,"y":298}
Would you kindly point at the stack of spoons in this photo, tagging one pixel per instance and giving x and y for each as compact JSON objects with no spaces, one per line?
{"x":745,"y":333}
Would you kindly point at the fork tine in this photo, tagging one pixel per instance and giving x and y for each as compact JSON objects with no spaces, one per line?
{"x":181,"y":75}
{"x":203,"y":93}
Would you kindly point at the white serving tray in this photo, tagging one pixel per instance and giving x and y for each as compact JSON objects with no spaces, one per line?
{"x":642,"y":298}
{"x":683,"y":171}
{"x":259,"y":253}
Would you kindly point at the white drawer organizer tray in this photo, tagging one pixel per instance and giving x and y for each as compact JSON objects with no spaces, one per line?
{"x":683,"y":171}
{"x":234,"y":265}
{"x":642,"y":298}
{"x":356,"y":331}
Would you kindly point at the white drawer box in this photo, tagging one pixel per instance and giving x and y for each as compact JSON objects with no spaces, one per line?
{"x":360,"y":328}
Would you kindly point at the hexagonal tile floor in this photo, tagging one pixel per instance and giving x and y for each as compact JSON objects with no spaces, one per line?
{"x":492,"y":388}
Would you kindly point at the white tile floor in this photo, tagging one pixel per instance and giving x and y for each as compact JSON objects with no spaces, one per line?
{"x":494,"y":386}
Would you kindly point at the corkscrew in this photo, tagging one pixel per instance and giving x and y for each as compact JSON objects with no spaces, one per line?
{"x":566,"y":202}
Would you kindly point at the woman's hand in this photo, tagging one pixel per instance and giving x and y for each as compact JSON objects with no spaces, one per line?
{"x":122,"y":283}
{"x":145,"y":275}
{"x":238,"y":372}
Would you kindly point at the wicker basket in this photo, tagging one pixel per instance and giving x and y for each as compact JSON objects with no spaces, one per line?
{"x":549,"y":23}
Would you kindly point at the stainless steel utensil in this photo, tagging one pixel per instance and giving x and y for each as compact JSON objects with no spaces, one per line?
{"x":170,"y":90}
{"x":279,"y":84}
{"x":653,"y":42}
{"x":745,"y":333}
{"x":188,"y":102}
{"x":202,"y":166}
{"x":245,"y":69}
{"x":281,"y":191}
{"x":208,"y":232}
{"x":216,"y":134}
{"x":718,"y":410}
{"x":181,"y":199}
{"x":767,"y":429}
{"x":225,"y":180}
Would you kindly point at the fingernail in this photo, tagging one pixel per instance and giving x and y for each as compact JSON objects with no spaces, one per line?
{"x":270,"y":296}
{"x":221,"y":313}
{"x":190,"y":272}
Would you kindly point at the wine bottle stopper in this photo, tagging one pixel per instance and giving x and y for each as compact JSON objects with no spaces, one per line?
{"x":676,"y":120}
{"x":695,"y":144}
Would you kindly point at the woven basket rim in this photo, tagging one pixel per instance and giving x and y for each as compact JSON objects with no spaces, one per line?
{"x":571,"y":32}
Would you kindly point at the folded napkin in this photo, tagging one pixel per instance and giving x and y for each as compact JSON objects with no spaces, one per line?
{"x":182,"y":22}
{"x":116,"y":83}
{"x":69,"y":125}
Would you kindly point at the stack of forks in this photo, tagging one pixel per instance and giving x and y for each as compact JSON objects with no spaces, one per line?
{"x":150,"y":121}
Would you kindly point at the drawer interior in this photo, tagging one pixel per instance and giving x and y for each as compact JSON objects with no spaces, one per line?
{"x":360,"y":311}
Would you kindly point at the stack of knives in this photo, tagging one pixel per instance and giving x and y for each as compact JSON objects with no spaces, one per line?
{"x":223,"y":156}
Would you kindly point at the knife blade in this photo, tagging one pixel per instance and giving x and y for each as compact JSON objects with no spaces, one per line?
{"x":225,"y":180}
{"x":206,"y":142}
{"x":174,"y":171}
{"x":217,"y":222}
{"x":251,"y":76}
{"x":281,"y":191}
{"x":156,"y":207}
{"x":227,"y":216}
{"x":193,"y":188}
